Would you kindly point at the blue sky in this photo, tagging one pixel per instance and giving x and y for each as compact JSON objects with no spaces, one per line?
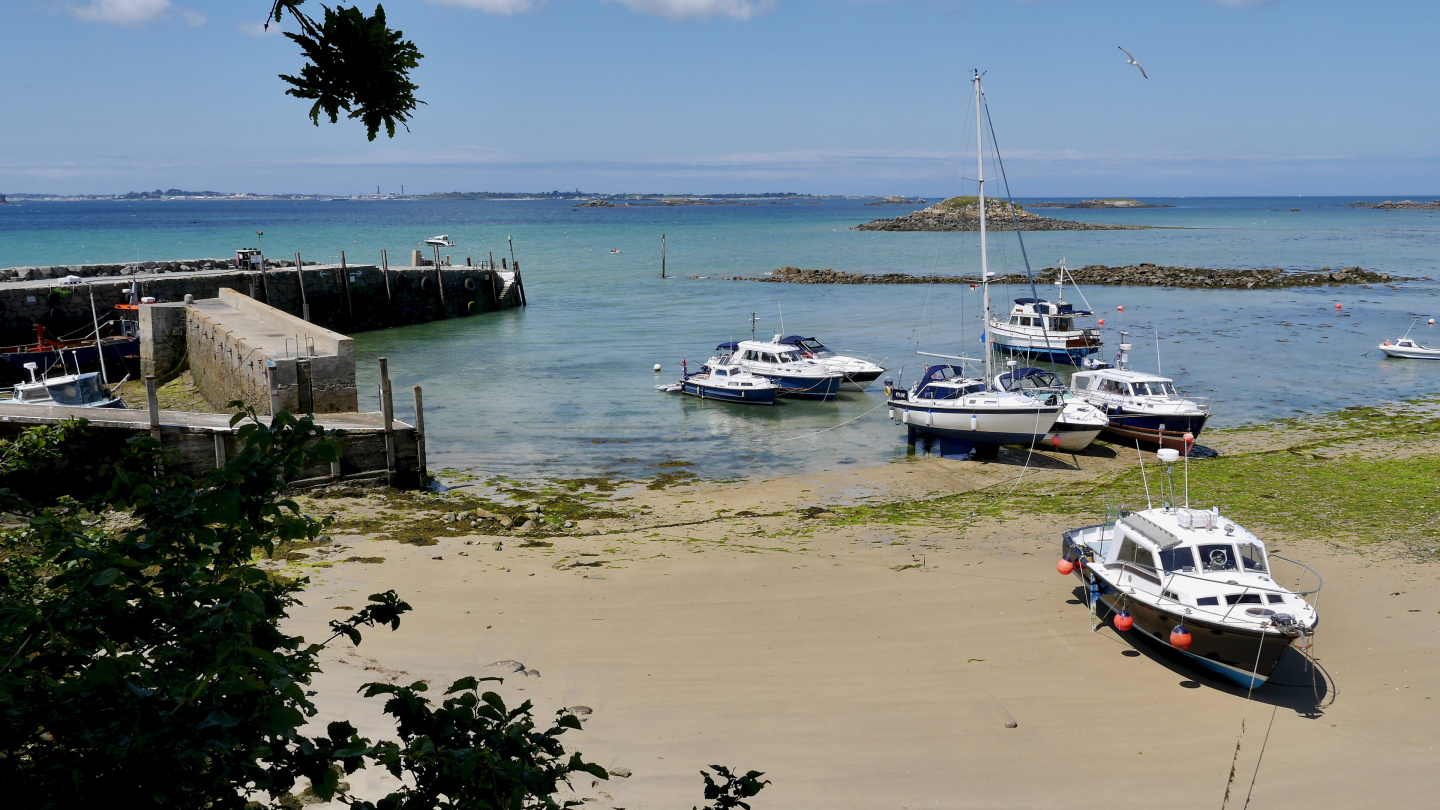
{"x":821,"y":96}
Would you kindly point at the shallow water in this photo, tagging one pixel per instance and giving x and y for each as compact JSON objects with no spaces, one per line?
{"x":565,"y":387}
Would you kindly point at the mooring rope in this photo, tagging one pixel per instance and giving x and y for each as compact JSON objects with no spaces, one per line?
{"x":1234,"y":760}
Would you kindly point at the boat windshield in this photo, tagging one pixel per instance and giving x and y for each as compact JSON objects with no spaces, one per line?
{"x":1177,"y":558}
{"x":789,"y":357}
{"x":1252,"y":557}
{"x":1218,"y":557}
{"x":84,"y":391}
{"x":951,"y":391}
{"x":813,"y":345}
{"x":1154,"y":389}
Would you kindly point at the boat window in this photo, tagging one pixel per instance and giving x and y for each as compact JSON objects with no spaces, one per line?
{"x":1252,"y":557}
{"x":1274,"y":598}
{"x":767,"y":357}
{"x":1177,"y":558}
{"x":1242,"y":599}
{"x":751,"y":354}
{"x":973,"y":388}
{"x":813,"y":345}
{"x":722,"y":372}
{"x":1015,"y":319}
{"x":1218,"y":557}
{"x":1136,"y":554}
{"x":1210,"y":601}
{"x":789,"y":357}
{"x":1062,"y":324}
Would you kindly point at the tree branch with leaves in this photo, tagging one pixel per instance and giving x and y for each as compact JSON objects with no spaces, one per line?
{"x":355,"y":63}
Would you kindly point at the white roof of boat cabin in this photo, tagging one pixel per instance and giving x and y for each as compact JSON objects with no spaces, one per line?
{"x":1163,"y":528}
{"x":1124,"y":374}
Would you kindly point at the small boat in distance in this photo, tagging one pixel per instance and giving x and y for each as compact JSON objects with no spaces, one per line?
{"x":1408,"y":349}
{"x":858,"y":373}
{"x":1196,"y":580}
{"x":443,"y":240}
{"x":614,"y":250}
{"x":1044,"y":330}
{"x":727,"y":382}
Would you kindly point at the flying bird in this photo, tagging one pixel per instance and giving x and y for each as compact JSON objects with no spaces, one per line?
{"x":1131,"y":61}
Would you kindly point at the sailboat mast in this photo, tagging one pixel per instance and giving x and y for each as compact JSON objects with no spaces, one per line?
{"x":984,"y":259}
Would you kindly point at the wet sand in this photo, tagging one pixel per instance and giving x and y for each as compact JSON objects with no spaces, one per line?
{"x":876,"y":665}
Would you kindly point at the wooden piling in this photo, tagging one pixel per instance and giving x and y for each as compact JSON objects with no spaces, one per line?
{"x":420,"y":437}
{"x":152,"y":401}
{"x":385,"y":273}
{"x":300,"y":278}
{"x":219,"y":439}
{"x":387,"y":415}
{"x":662,"y":255}
{"x":345,"y":280}
{"x":520,"y":285}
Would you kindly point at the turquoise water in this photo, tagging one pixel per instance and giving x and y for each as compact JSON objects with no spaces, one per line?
{"x":565,"y":387}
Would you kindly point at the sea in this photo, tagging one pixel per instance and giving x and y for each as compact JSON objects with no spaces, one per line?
{"x":565,"y":387}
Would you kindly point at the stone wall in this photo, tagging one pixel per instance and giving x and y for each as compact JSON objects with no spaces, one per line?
{"x":162,"y":340}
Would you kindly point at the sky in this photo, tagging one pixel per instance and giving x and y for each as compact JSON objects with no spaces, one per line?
{"x":1283,"y":97}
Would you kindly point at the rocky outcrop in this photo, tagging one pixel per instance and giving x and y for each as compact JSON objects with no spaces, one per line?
{"x":1144,"y":275}
{"x":1117,"y":202}
{"x":1401,"y":205}
{"x":963,"y":214}
{"x":898,"y":201}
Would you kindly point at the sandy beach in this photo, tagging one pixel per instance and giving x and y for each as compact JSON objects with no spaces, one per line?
{"x":866,"y":660}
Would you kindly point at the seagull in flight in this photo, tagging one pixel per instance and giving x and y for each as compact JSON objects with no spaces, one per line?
{"x":1132,"y":61}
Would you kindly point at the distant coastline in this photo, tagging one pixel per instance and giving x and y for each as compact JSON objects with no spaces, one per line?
{"x":1113,"y":202}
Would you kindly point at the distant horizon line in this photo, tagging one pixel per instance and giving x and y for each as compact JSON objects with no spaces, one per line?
{"x":233,"y":196}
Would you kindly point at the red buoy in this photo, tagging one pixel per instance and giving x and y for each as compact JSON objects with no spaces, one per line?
{"x":1180,"y":637}
{"x":1120,"y":308}
{"x":1124,"y":621}
{"x":1055,"y":440}
{"x":1189,"y":441}
{"x":1064,"y":566}
{"x":1101,"y":322}
{"x":1337,"y":306}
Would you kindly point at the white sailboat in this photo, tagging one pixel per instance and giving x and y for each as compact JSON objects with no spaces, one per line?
{"x":948,"y":404}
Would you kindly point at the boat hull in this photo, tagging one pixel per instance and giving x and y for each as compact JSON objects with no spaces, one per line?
{"x":1027,"y":426}
{"x":1411,"y":354}
{"x":821,"y":388}
{"x":1073,"y":438}
{"x":746,"y":396}
{"x":1245,"y":658}
{"x":1127,"y":428}
{"x":112,"y":349}
{"x":1053,"y":354}
{"x":862,"y":379}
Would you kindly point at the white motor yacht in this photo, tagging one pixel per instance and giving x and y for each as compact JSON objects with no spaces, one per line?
{"x":725,"y":381}
{"x":1195,"y":580}
{"x":1077,"y":425}
{"x":1045,"y":330}
{"x":443,"y":240}
{"x":797,"y":377}
{"x":858,"y":373}
{"x":1141,"y":406}
{"x":1408,"y":349}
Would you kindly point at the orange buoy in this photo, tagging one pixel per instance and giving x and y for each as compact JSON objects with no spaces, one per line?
{"x":1101,"y":322}
{"x":1387,"y":343}
{"x":1337,"y":306}
{"x":1124,"y":621}
{"x":1055,"y":440}
{"x":1120,"y":308}
{"x":1065,"y":566}
{"x":1180,"y":638}
{"x":1189,"y":440}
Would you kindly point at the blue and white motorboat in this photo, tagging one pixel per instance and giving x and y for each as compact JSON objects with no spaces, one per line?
{"x":858,"y":373}
{"x":1045,"y":330}
{"x":727,"y":382}
{"x":1141,"y":406}
{"x":1077,"y":425}
{"x":72,"y":390}
{"x":795,"y":376}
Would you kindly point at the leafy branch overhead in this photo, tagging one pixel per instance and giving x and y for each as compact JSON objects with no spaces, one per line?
{"x":355,"y":63}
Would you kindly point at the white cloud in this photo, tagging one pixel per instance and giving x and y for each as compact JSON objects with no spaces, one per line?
{"x":133,"y":12}
{"x":506,"y":7}
{"x":701,"y":9}
{"x":120,"y":12}
{"x":256,"y":29}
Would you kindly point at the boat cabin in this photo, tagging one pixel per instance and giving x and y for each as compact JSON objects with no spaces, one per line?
{"x":806,"y":346}
{"x":768,"y":353}
{"x":1194,"y":557}
{"x":1046,"y":315}
{"x":1121,"y":382}
{"x":74,"y":390}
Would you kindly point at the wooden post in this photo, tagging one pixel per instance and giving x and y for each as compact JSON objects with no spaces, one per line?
{"x":385,"y":273}
{"x":387,"y":414}
{"x":420,"y":436}
{"x":440,"y":283}
{"x":264,"y":279}
{"x":219,"y":449}
{"x":152,"y":400}
{"x":520,"y":285}
{"x":345,"y":279}
{"x":300,"y":277}
{"x":662,"y":255}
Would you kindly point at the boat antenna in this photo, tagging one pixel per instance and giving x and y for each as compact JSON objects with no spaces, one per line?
{"x":782,"y":318}
{"x":1157,"y":352}
{"x":1143,"y":477}
{"x":980,"y":200}
{"x":753,"y":321}
{"x":1407,"y":331}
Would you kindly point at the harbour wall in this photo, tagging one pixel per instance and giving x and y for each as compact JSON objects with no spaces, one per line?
{"x":347,"y":298}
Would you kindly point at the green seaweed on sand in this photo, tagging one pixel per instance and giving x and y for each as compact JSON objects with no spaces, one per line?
{"x":668,"y":479}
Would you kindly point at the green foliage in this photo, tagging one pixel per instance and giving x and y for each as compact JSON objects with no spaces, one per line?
{"x":144,"y":660}
{"x":733,"y":789}
{"x":355,"y":63}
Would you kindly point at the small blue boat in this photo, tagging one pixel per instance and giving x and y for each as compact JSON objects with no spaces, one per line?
{"x":796,"y":377}
{"x":726,"y":382}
